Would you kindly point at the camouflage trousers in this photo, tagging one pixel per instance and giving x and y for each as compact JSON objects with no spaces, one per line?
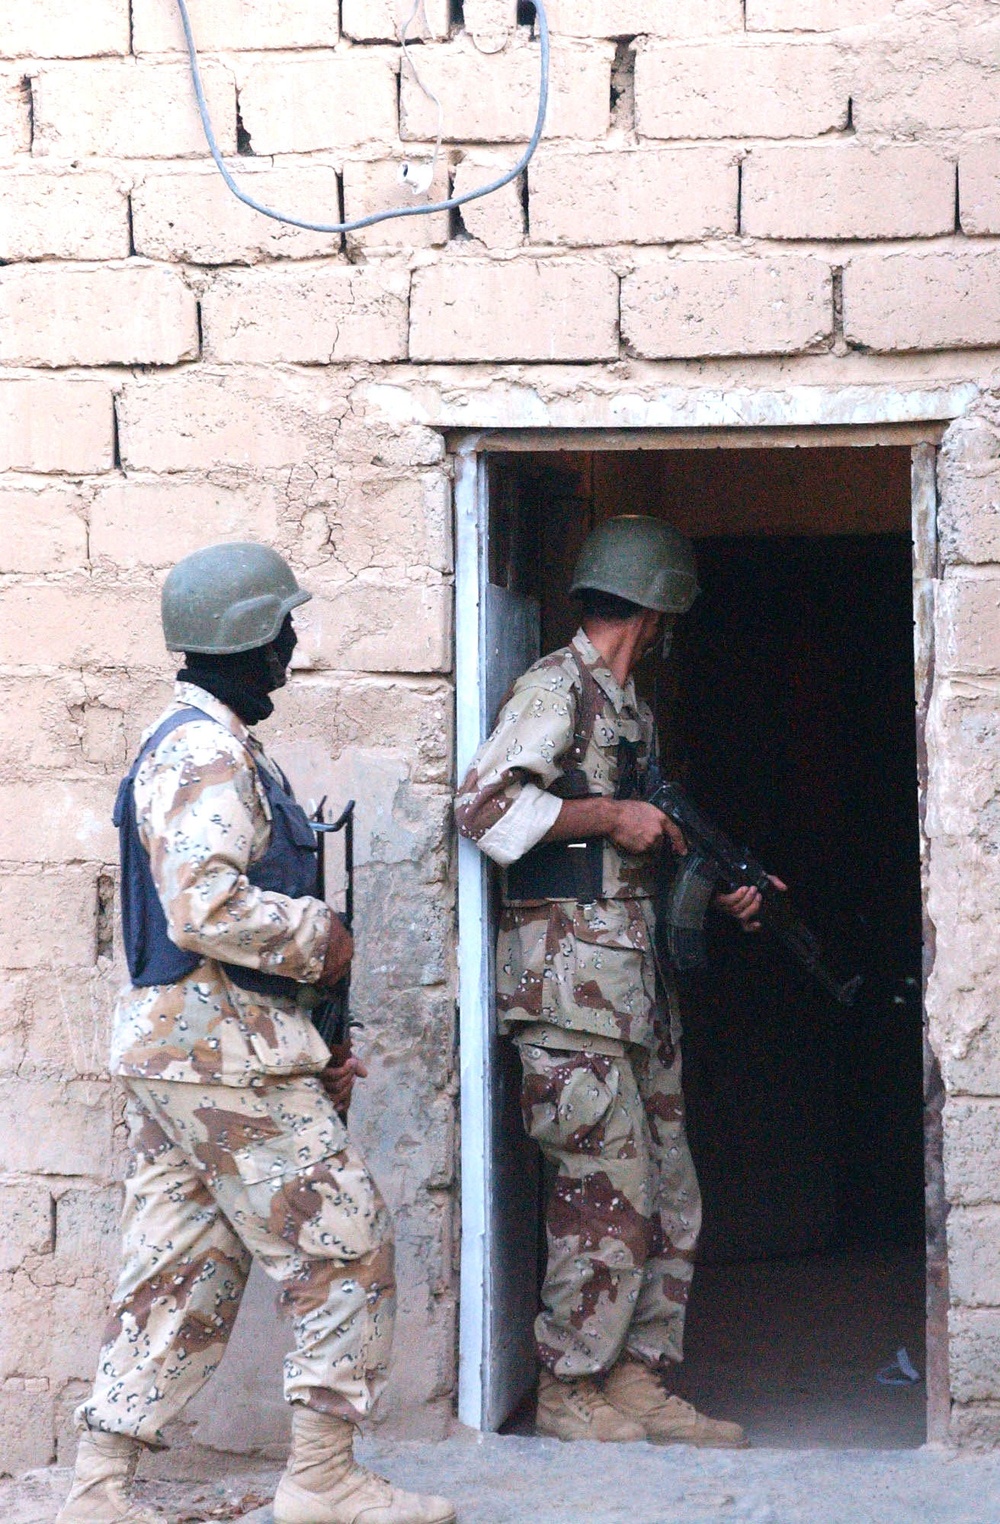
{"x":624,"y":1212}
{"x":220,"y":1175}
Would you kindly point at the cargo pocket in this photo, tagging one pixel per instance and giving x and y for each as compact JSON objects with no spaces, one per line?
{"x":613,"y":971}
{"x":567,"y":1098}
{"x":311,"y":1189}
{"x":290,"y":1151}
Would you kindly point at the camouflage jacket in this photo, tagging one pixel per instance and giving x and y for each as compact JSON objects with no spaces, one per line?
{"x":584,"y":968}
{"x":204,"y":818}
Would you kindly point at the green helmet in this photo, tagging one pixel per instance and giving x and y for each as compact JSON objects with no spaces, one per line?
{"x":228,"y":598}
{"x":641,"y":559}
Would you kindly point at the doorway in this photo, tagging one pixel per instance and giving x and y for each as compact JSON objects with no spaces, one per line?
{"x":788,"y":711}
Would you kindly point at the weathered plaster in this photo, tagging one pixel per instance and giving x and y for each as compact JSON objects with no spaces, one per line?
{"x":234,"y":378}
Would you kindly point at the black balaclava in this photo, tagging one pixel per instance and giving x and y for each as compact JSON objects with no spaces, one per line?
{"x":244,"y":682}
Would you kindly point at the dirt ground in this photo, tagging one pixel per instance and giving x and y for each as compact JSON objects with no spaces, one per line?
{"x":792,"y":1349}
{"x":515,"y":1480}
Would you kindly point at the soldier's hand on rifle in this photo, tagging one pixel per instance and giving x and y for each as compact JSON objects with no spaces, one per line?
{"x":639,"y":827}
{"x":744,"y":903}
{"x":339,"y":952}
{"x":630,"y":823}
{"x":338,"y":1081}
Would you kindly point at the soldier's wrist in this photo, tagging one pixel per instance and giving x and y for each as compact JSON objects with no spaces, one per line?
{"x":612,"y":810}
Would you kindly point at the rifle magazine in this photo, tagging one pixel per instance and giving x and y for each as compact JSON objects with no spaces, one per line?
{"x":681,"y":912}
{"x":685,"y":949}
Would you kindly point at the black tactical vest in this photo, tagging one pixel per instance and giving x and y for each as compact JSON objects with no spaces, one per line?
{"x":288,"y":866}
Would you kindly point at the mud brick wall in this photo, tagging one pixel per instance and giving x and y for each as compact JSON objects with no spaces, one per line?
{"x":760,"y":195}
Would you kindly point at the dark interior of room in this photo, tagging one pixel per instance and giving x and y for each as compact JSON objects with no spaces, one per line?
{"x":788,"y":713}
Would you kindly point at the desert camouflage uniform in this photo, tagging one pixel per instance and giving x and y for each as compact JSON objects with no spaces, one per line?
{"x":204,"y":818}
{"x":237,"y":1151}
{"x":597,"y":1028}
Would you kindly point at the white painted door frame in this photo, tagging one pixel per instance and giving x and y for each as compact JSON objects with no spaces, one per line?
{"x":802,"y":416}
{"x":471,"y":507}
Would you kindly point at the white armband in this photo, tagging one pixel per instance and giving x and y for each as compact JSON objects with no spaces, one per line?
{"x":528,"y":820}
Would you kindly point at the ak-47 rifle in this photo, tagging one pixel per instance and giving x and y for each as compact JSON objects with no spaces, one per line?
{"x":713,"y":863}
{"x":330,"y":1011}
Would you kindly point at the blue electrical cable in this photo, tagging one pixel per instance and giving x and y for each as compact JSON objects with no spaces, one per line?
{"x":399,"y":211}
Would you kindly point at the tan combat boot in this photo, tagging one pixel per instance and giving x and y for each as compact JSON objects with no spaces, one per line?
{"x":105,"y":1466}
{"x":578,"y":1409}
{"x":634,"y":1390}
{"x":323,"y":1485}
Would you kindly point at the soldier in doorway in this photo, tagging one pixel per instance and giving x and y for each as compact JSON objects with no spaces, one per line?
{"x":237,"y":1148}
{"x":553,"y":797}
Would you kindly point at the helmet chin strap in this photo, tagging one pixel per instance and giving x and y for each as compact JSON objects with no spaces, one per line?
{"x":662,"y":647}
